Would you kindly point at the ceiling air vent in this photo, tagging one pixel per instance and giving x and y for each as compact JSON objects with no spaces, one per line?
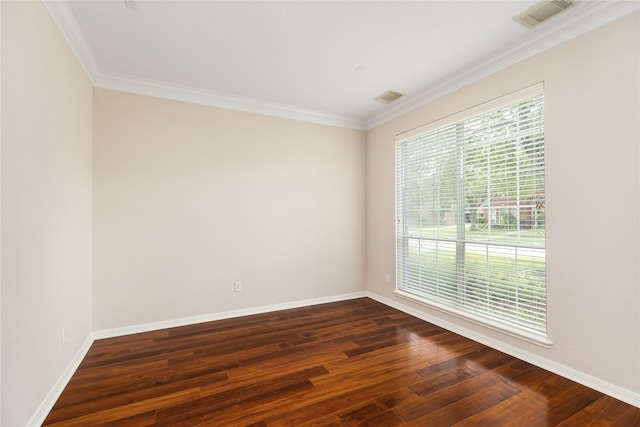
{"x":388,"y":97}
{"x":541,"y":12}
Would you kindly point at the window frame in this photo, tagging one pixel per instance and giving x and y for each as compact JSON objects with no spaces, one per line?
{"x":536,"y":337}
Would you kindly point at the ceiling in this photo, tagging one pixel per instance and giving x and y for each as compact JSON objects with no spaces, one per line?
{"x":320,"y":61}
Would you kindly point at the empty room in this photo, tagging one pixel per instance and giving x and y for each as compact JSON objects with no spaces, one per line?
{"x":305,"y":213}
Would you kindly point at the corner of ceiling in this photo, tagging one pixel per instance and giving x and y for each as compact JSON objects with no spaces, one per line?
{"x":62,"y":16}
{"x":64,"y":19}
{"x":588,"y":16}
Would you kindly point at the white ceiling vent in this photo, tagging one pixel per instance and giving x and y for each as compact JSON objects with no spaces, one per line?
{"x":542,"y":11}
{"x":388,"y":97}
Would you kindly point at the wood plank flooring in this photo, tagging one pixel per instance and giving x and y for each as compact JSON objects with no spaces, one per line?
{"x":349,"y":363}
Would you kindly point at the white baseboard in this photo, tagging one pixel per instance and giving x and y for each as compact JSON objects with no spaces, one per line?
{"x":47,"y":404}
{"x":50,"y":399}
{"x":146,"y":327}
{"x":590,"y":381}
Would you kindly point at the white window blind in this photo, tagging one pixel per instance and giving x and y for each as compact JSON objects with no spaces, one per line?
{"x":471,"y":214}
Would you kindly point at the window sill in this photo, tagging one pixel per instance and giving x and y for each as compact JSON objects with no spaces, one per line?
{"x":531,"y":337}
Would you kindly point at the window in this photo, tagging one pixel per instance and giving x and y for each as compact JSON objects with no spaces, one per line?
{"x":471,"y":215}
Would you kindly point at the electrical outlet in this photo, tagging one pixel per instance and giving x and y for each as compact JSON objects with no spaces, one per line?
{"x":237,"y":286}
{"x":387,"y":278}
{"x":64,"y":335}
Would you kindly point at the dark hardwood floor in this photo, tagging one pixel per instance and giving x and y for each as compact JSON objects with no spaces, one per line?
{"x":349,"y":363}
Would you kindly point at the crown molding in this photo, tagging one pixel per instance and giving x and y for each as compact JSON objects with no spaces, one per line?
{"x":222,"y":100}
{"x":579,"y":20}
{"x":588,"y":16}
{"x":67,"y":25}
{"x":66,"y":22}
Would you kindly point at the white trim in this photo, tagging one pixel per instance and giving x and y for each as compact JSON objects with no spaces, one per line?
{"x":588,"y":16}
{"x":50,"y":399}
{"x":576,"y":21}
{"x":146,"y":327}
{"x":66,"y":22}
{"x":625,"y":395}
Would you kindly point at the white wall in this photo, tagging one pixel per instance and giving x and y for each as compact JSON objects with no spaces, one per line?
{"x":190,"y":198}
{"x":592,"y":89}
{"x":46,"y":207}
